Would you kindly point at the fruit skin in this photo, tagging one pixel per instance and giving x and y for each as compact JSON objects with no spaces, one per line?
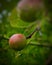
{"x":27,"y":9}
{"x":17,"y":41}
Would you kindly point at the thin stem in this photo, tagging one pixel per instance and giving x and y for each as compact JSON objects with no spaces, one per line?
{"x":29,"y":36}
{"x":41,"y":45}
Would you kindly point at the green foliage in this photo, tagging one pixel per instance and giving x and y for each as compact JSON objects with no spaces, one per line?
{"x":31,"y":54}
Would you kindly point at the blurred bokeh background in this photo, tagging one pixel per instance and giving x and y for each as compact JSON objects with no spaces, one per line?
{"x":10,"y":24}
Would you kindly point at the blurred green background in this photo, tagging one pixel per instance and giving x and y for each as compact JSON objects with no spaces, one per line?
{"x":11,"y":24}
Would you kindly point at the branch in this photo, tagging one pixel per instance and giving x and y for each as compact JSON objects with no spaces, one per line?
{"x":29,"y":36}
{"x":41,"y":45}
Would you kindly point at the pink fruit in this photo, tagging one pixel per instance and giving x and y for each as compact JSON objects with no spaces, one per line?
{"x":28,"y":9}
{"x":17,"y":41}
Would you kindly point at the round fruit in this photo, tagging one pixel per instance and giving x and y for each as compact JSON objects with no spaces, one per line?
{"x":28,"y":16}
{"x":17,"y":41}
{"x":27,"y":9}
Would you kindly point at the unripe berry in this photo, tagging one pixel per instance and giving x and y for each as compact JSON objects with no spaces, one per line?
{"x":27,"y":9}
{"x":17,"y":41}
